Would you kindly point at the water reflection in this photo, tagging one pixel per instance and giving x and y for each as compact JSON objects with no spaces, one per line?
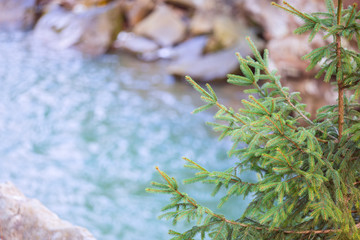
{"x":83,"y":136}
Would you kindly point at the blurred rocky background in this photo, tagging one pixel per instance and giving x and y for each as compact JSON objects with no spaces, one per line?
{"x":196,"y":37}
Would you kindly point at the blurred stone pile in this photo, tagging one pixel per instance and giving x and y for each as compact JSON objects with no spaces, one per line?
{"x":198,"y":37}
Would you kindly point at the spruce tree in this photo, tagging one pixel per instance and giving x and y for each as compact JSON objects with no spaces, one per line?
{"x":308,"y":167}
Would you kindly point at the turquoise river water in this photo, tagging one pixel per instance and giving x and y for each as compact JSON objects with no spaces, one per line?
{"x":84,"y":136}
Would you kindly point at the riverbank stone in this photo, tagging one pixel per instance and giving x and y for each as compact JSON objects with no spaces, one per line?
{"x":201,"y":23}
{"x":211,"y":66}
{"x":17,"y":14}
{"x":24,"y":218}
{"x":163,"y":25}
{"x":183,"y":3}
{"x":91,"y":31}
{"x":133,"y":43}
{"x":136,"y":10}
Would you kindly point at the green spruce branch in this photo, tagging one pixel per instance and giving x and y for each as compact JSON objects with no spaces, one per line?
{"x":308,"y":175}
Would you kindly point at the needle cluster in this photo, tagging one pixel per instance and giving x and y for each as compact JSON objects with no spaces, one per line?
{"x":308,"y":167}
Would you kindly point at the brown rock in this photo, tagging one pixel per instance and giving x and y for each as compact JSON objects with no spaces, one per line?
{"x":201,"y":23}
{"x":227,"y":30}
{"x":163,"y":26}
{"x":23,"y":218}
{"x":17,"y":14}
{"x":286,"y":54}
{"x":208,"y":5}
{"x":314,"y":94}
{"x":273,"y":20}
{"x":136,"y":10}
{"x":183,"y":3}
{"x":351,"y":2}
{"x":91,"y":31}
{"x":286,"y":49}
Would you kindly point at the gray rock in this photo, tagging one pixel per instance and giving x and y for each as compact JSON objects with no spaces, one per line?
{"x":163,"y":25}
{"x":207,"y":68}
{"x":91,"y":31}
{"x":24,"y":218}
{"x":134,"y":43}
{"x":17,"y":14}
{"x":188,"y":50}
{"x":211,"y":66}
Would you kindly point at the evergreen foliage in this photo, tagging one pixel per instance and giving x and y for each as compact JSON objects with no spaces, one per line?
{"x":309,"y":170}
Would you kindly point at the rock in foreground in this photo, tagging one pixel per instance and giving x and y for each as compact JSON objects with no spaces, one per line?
{"x":24,"y":218}
{"x":17,"y":14}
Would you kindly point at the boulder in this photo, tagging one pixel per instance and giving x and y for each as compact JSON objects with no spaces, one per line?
{"x":201,"y":23}
{"x":136,"y":10}
{"x":278,"y":31}
{"x":135,"y":44}
{"x":227,"y":31}
{"x":208,"y":5}
{"x":287,"y":59}
{"x":24,"y":218}
{"x":314,"y":94}
{"x":351,"y":2}
{"x":163,"y":25}
{"x":190,"y":49}
{"x":91,"y":31}
{"x":17,"y":14}
{"x":211,"y":66}
{"x":274,"y":21}
{"x":183,"y":3}
{"x":208,"y":67}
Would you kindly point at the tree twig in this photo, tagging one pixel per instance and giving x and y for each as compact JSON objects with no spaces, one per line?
{"x":339,"y":78}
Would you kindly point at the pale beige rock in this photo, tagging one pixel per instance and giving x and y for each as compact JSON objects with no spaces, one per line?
{"x":134,"y":43}
{"x":201,"y":23}
{"x":207,"y":5}
{"x":276,"y":22}
{"x":17,"y":14}
{"x":273,"y":20}
{"x":22,"y":218}
{"x":91,"y":31}
{"x":314,"y":94}
{"x":163,"y":25}
{"x":227,"y":30}
{"x":136,"y":10}
{"x":286,"y":55}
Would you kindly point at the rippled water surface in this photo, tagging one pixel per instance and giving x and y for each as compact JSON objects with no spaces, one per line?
{"x":84,"y":135}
